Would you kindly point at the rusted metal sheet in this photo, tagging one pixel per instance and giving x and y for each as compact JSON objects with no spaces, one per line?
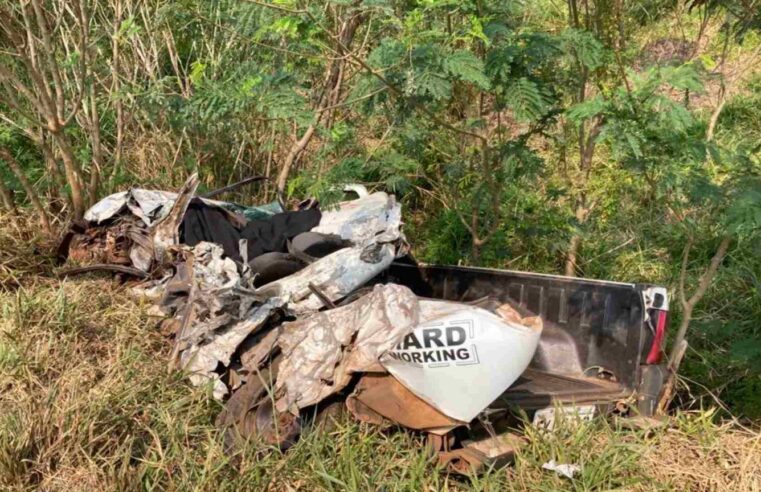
{"x":101,"y":245}
{"x":387,"y":397}
{"x":255,"y":352}
{"x":363,"y":413}
{"x":475,"y":456}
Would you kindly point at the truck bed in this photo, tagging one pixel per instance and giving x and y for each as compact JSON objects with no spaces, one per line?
{"x":591,"y":328}
{"x":539,"y":389}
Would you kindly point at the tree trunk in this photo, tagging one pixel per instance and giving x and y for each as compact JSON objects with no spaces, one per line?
{"x":116,"y":73}
{"x":329,"y":97}
{"x":73,"y":175}
{"x":7,"y":198}
{"x":670,"y":384}
{"x":53,"y":169}
{"x":715,"y":115}
{"x":572,"y":255}
{"x":282,"y":179}
{"x":688,"y":305}
{"x":93,"y":124}
{"x":16,"y":168}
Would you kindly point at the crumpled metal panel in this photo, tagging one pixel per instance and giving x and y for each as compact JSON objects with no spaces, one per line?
{"x":336,"y":275}
{"x":148,"y":205}
{"x":321,"y":351}
{"x":201,"y":359}
{"x":152,"y":205}
{"x":219,"y":313}
{"x":363,"y":219}
{"x":148,"y":244}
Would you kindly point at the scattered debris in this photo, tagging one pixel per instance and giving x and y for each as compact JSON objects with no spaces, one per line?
{"x":287,"y":314}
{"x":545,"y":418}
{"x":564,"y":469}
{"x":475,"y":456}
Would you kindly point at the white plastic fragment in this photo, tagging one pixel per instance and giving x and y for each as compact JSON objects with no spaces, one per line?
{"x":461,"y":358}
{"x":563,"y":469}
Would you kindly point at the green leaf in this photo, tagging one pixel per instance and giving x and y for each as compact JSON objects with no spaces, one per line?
{"x":432,"y":85}
{"x":586,"y":47}
{"x":477,"y":29}
{"x":525,"y":99}
{"x":587,"y":109}
{"x":683,"y":77}
{"x":708,"y":62}
{"x":744,"y":212}
{"x":746,"y":350}
{"x":128,"y":28}
{"x":465,"y":66}
{"x":197,"y":70}
{"x":634,"y":144}
{"x":388,"y":52}
{"x":495,"y":30}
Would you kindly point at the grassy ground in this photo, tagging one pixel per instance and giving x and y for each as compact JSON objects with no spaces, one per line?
{"x":86,"y":403}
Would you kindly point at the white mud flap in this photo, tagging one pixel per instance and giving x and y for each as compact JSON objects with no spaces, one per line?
{"x":461,"y":358}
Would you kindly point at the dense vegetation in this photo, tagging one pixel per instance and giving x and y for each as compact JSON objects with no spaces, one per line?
{"x":616,"y":140}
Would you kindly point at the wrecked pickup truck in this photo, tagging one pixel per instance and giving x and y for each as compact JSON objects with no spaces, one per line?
{"x":601,"y":343}
{"x":293,"y":316}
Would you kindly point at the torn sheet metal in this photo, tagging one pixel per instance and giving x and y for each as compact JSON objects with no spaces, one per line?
{"x":148,"y":245}
{"x":165,"y":232}
{"x":255,"y":353}
{"x":461,"y":358}
{"x":363,"y":219}
{"x":201,"y":359}
{"x":388,"y":398}
{"x":336,"y":276}
{"x":322,"y":351}
{"x":219,"y":312}
{"x":152,"y":205}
